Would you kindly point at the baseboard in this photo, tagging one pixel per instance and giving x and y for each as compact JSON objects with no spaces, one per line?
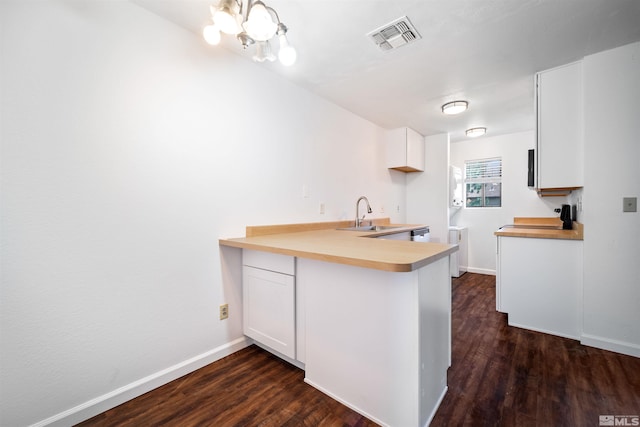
{"x":544,"y":331}
{"x":481,"y":271}
{"x":294,"y":362}
{"x":611,"y":345}
{"x":345,"y":403}
{"x":116,"y":397}
{"x":435,"y":409}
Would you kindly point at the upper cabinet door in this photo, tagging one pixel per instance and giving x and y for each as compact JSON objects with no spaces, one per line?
{"x":405,"y":150}
{"x":559,"y":107}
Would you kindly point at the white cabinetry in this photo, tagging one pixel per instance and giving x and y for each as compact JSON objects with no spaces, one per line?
{"x":539,"y":284}
{"x":559,"y":109}
{"x":268,"y":292}
{"x":379,"y":341}
{"x":405,"y":150}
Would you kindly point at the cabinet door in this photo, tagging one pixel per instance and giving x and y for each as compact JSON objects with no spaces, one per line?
{"x":415,"y":150}
{"x":269,"y":309}
{"x":405,"y":150}
{"x":559,"y":127}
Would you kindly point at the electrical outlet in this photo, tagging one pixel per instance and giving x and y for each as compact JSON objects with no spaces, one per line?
{"x":321,"y":208}
{"x":224,"y":311}
{"x":629,"y":204}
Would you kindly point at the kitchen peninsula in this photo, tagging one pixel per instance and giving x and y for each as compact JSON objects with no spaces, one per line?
{"x":371,"y":322}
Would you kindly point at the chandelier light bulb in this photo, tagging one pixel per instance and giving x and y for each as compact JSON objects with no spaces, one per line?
{"x":211,"y":34}
{"x":225,"y":18}
{"x":287,"y":54}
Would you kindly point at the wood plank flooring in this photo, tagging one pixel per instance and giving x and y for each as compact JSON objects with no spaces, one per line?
{"x":500,"y":376}
{"x":506,"y":376}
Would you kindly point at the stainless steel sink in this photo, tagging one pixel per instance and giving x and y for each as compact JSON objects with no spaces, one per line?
{"x":370,"y":228}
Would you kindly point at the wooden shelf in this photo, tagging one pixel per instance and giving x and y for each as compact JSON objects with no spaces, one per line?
{"x":555,"y":192}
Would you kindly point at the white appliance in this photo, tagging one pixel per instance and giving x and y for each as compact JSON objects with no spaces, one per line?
{"x":459,"y":259}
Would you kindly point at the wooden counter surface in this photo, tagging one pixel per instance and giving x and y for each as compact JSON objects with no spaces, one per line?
{"x":541,"y":228}
{"x":322,"y":241}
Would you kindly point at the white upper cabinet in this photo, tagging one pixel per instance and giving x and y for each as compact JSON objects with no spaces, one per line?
{"x":559,"y":107}
{"x":405,"y":150}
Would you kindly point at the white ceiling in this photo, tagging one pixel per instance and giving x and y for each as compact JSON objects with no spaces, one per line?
{"x":483,"y":51}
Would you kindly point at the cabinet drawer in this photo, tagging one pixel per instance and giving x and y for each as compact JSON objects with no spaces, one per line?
{"x":269,"y":261}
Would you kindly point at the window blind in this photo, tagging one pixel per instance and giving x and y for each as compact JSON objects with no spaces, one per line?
{"x":483,"y":170}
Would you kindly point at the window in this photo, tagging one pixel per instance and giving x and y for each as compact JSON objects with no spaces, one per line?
{"x":483,"y":183}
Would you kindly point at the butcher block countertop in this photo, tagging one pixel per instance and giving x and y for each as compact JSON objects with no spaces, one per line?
{"x":541,"y":228}
{"x":323,"y":241}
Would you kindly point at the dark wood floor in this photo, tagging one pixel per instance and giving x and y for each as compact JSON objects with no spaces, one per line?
{"x":500,"y":376}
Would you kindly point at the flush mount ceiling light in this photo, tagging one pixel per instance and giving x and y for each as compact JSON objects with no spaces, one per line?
{"x":252,"y":22}
{"x":455,"y":107}
{"x":476,"y":132}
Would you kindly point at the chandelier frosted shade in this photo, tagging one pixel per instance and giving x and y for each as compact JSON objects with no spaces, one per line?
{"x":263,"y":52}
{"x":253,"y":23}
{"x":260,"y":26}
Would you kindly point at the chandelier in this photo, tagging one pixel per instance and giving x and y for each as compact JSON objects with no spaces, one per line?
{"x":252,"y":22}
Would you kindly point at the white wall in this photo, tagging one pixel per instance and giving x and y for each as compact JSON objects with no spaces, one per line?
{"x":128,"y":148}
{"x":428,"y":192}
{"x":612,"y":238}
{"x":517,"y":198}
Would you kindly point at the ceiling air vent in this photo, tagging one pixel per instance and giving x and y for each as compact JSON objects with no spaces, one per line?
{"x":394,"y":34}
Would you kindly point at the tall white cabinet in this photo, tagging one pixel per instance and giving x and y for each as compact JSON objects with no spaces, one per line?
{"x":559,"y":113}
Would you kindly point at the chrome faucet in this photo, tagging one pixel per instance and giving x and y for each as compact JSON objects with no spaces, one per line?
{"x":358,"y":219}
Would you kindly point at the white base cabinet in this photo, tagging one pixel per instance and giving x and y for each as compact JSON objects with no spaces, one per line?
{"x":377,"y":341}
{"x":269,"y":305}
{"x":539,"y":284}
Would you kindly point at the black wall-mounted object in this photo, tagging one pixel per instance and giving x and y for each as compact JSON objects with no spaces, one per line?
{"x":565,"y":216}
{"x":531,"y":172}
